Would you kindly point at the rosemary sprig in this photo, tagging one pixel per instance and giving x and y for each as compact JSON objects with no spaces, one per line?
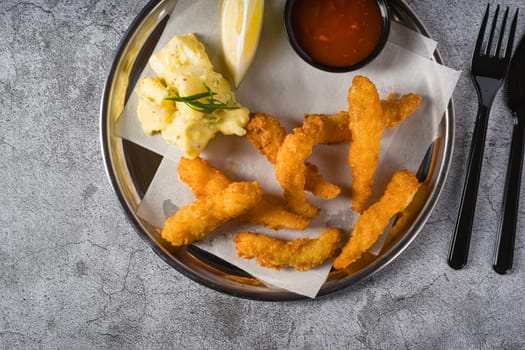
{"x":193,"y":101}
{"x":210,"y":119}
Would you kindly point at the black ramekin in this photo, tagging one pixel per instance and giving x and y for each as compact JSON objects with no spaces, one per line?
{"x":385,"y":15}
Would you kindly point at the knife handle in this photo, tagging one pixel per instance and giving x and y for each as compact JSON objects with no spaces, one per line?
{"x":459,"y":247}
{"x":504,"y":252}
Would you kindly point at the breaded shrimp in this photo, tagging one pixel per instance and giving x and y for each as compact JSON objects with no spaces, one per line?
{"x":203,"y":179}
{"x":366,"y":125}
{"x":315,"y":183}
{"x":267,"y":135}
{"x":396,"y":109}
{"x":328,"y":129}
{"x":368,"y":119}
{"x":302,"y":254}
{"x":195,"y":220}
{"x":290,"y":170}
{"x":372,"y":222}
{"x":206,"y":180}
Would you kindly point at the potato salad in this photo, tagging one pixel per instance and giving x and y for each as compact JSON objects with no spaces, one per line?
{"x":188,"y":102}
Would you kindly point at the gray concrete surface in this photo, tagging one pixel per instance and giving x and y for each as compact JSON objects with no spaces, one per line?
{"x":75,"y":275}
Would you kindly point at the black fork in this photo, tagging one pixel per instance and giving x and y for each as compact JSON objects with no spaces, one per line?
{"x":488,"y":69}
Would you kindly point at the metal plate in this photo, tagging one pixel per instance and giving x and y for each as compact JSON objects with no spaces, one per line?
{"x":131,"y":168}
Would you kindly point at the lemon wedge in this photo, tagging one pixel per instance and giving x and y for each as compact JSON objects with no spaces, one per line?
{"x":241,"y":23}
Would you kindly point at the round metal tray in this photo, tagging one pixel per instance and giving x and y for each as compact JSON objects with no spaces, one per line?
{"x":131,"y":168}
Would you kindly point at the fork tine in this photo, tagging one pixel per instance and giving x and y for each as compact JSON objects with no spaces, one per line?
{"x":502,"y":32}
{"x":479,"y":42}
{"x":508,"y":50}
{"x":492,"y":30}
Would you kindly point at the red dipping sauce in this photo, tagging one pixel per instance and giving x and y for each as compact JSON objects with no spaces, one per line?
{"x":337,"y":33}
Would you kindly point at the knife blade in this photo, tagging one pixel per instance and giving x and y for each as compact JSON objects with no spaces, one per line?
{"x":515,"y":98}
{"x":515,"y":81}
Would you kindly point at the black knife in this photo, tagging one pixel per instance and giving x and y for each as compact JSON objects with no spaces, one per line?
{"x":515,"y":92}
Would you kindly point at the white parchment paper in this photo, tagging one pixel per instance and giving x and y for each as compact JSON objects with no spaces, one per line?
{"x":281,"y":84}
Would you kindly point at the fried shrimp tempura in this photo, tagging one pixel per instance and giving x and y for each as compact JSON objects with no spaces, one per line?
{"x":366,"y":125}
{"x":271,"y":212}
{"x":194,"y":221}
{"x":333,"y":129}
{"x":398,"y":195}
{"x":290,"y":170}
{"x":316,"y":184}
{"x":206,"y":180}
{"x":203,"y":179}
{"x":409,"y":214}
{"x":267,"y":135}
{"x":369,"y":117}
{"x":302,"y":254}
{"x":397,"y":109}
{"x":328,"y":129}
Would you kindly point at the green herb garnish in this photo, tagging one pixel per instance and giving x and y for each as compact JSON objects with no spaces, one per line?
{"x":208,"y":107}
{"x":210,"y":119}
